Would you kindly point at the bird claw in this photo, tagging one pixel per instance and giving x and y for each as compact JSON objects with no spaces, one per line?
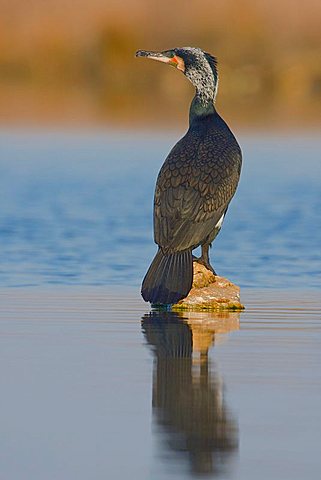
{"x":206,"y":264}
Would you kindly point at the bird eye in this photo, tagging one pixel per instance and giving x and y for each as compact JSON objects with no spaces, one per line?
{"x":170,"y":53}
{"x":167,"y":53}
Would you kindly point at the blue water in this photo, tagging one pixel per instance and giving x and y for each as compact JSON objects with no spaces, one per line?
{"x":94,"y":385}
{"x":76,"y":208}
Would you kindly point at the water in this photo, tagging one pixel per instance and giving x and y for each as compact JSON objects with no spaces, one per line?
{"x":94,"y":385}
{"x":77,"y":209}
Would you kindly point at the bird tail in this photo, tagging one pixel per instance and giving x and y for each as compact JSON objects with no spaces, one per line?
{"x":169,"y":277}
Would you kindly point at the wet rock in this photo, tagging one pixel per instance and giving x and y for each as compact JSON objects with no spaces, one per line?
{"x":210,"y":292}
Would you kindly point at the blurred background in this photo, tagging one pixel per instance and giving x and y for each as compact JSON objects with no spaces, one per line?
{"x":72,"y":61}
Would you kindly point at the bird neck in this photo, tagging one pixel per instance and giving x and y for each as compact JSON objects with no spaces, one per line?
{"x":199,"y":108}
{"x":205,"y":81}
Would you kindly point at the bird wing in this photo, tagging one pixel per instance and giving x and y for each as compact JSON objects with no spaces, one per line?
{"x":193,"y":189}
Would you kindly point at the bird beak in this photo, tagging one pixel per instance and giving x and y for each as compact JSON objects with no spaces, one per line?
{"x":175,"y":61}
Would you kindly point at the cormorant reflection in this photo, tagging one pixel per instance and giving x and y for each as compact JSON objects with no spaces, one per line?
{"x":187,"y":393}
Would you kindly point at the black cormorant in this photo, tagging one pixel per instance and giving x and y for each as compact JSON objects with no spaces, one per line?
{"x":195,"y":184}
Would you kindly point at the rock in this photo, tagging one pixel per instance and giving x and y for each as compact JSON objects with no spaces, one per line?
{"x":210,"y":292}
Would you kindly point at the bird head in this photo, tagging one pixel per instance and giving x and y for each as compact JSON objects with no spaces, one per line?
{"x":198,"y":66}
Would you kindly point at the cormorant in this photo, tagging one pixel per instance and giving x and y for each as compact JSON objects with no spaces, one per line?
{"x":195,"y":184}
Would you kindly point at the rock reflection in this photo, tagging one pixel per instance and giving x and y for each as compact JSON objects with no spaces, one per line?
{"x":188,"y":400}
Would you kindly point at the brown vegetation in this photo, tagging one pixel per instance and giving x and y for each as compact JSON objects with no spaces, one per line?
{"x":74,"y":60}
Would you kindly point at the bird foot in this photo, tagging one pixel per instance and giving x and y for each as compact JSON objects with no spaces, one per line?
{"x":206,"y":264}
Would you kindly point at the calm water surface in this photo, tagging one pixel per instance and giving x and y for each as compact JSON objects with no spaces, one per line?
{"x":93,"y":384}
{"x":77,"y":209}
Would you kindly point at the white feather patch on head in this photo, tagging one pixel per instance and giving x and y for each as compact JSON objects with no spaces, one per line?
{"x":201,"y":75}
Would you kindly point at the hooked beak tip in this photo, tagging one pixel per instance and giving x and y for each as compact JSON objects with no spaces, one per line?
{"x":141,"y":53}
{"x":175,"y":61}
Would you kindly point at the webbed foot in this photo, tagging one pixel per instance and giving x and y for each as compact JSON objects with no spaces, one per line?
{"x":206,"y":264}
